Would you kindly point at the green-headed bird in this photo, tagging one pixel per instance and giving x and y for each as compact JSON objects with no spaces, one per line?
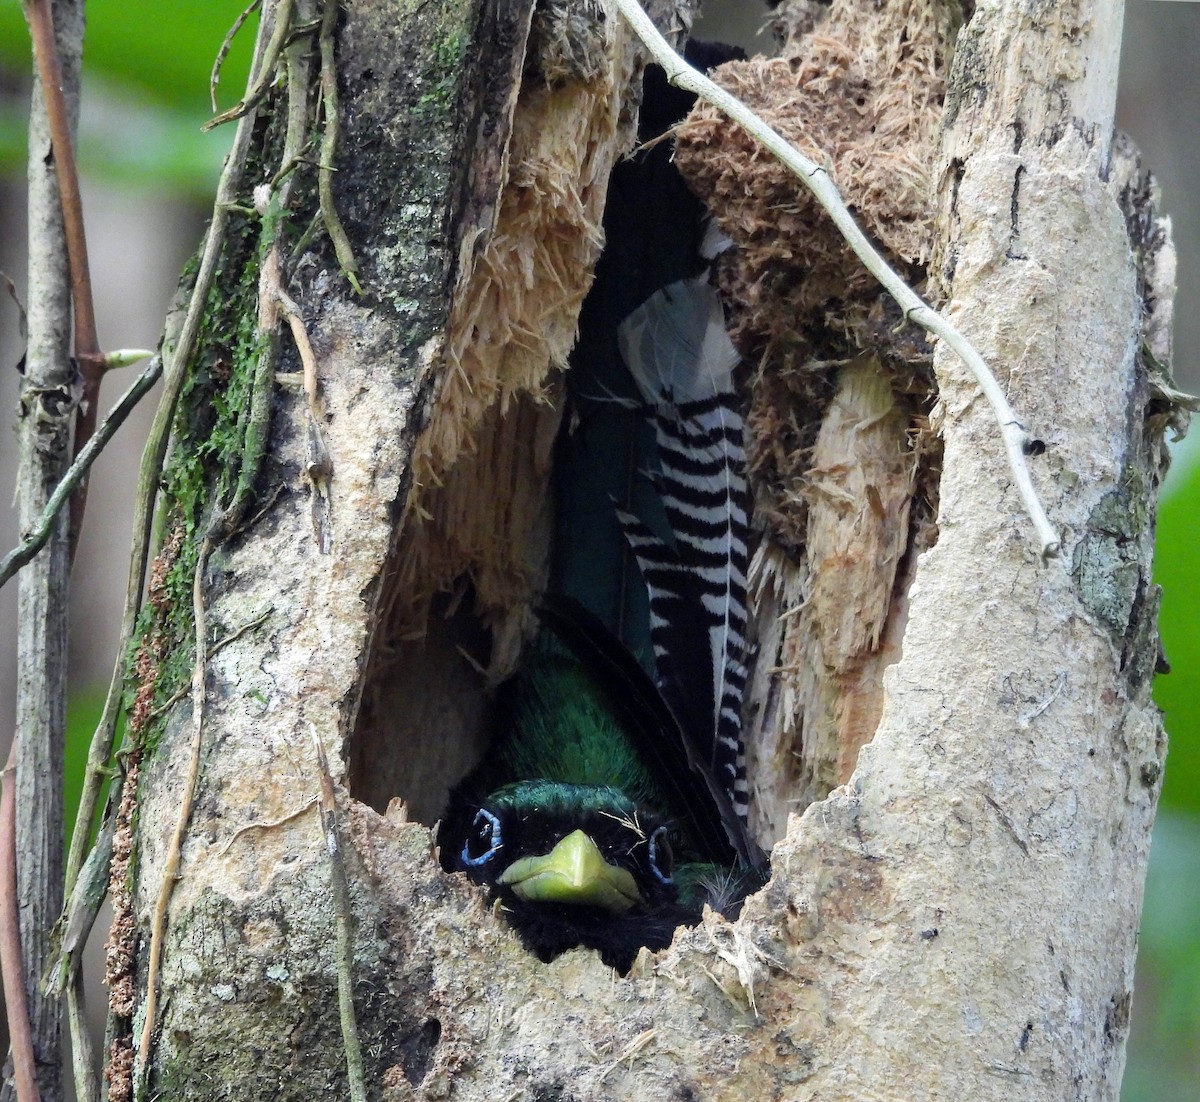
{"x":612,"y":806}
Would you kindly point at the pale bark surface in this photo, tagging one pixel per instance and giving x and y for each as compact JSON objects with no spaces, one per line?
{"x":956,"y":921}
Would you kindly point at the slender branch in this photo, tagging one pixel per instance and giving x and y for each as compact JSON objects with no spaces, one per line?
{"x":213,"y":651}
{"x":178,"y":348}
{"x":308,"y":358}
{"x":329,"y":140}
{"x":175,"y":372}
{"x":228,"y":518}
{"x":45,"y":52}
{"x":344,"y":950}
{"x":1017,"y":440}
{"x":88,"y":355}
{"x":270,"y":43}
{"x":170,"y":872}
{"x":215,"y":76}
{"x":264,"y":74}
{"x":15,"y":1002}
{"x":47,"y":409}
{"x":36,"y":538}
{"x":79,"y":913}
{"x":267,"y":824}
{"x":318,"y":464}
{"x":299,"y":74}
{"x":83,"y":1049}
{"x":271,"y":206}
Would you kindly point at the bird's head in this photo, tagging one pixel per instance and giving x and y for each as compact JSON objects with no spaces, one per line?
{"x":545,"y":844}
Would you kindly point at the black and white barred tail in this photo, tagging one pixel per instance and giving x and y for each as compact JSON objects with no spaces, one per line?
{"x":679,"y":353}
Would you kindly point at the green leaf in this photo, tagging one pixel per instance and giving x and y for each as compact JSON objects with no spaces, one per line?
{"x":146,"y":91}
{"x":160,"y":54}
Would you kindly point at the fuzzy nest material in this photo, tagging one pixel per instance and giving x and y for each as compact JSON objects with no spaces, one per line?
{"x":862,"y":98}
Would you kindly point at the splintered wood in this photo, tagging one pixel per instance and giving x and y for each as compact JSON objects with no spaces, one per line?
{"x":472,"y":546}
{"x":832,"y":624}
{"x":481,"y":468}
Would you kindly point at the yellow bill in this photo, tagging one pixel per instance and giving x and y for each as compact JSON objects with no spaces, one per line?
{"x":574,"y":872}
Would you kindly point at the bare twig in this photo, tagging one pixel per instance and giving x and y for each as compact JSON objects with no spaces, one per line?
{"x":170,"y":872}
{"x":308,"y":358}
{"x":181,"y":345}
{"x":215,"y":76}
{"x":81,"y":909}
{"x":345,"y":939}
{"x":270,"y":204}
{"x":50,"y":77}
{"x":1016,"y":439}
{"x":329,"y":140}
{"x":224,"y":520}
{"x":218,"y":646}
{"x":36,"y":538}
{"x":299,"y":73}
{"x":264,"y":74}
{"x":15,"y":1002}
{"x":267,"y":824}
{"x":80,"y":914}
{"x":175,"y":370}
{"x":318,"y":464}
{"x":47,"y":409}
{"x":83,"y":1049}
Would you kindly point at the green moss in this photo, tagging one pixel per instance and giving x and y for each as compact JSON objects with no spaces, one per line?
{"x":398,"y":184}
{"x":442,"y":77}
{"x":206,"y":454}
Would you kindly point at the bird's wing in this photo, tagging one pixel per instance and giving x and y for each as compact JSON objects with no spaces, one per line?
{"x":679,"y":353}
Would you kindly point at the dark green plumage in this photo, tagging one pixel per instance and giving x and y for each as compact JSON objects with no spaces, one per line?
{"x":567,"y":728}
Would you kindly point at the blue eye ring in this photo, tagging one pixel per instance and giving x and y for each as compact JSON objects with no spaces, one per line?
{"x":660,"y":845}
{"x":486,"y":827}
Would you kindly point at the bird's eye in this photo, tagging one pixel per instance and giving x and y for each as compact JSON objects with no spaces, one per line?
{"x":484,"y":839}
{"x":662,"y":860}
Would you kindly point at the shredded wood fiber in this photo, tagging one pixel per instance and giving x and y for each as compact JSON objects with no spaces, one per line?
{"x":864,"y":98}
{"x":477,"y":508}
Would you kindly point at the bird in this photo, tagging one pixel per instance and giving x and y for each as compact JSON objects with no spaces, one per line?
{"x":612,"y":807}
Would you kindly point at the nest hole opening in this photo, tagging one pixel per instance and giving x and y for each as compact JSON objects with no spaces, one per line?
{"x":842,"y":462}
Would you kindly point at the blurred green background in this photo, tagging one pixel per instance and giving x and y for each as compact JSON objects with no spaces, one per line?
{"x":1164,"y":1054}
{"x":147,"y":70}
{"x":148,"y":64}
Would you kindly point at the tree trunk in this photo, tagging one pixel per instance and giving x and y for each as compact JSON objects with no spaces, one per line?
{"x":958,"y":917}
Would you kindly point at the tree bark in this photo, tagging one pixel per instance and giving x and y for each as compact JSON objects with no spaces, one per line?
{"x":957,"y":919}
